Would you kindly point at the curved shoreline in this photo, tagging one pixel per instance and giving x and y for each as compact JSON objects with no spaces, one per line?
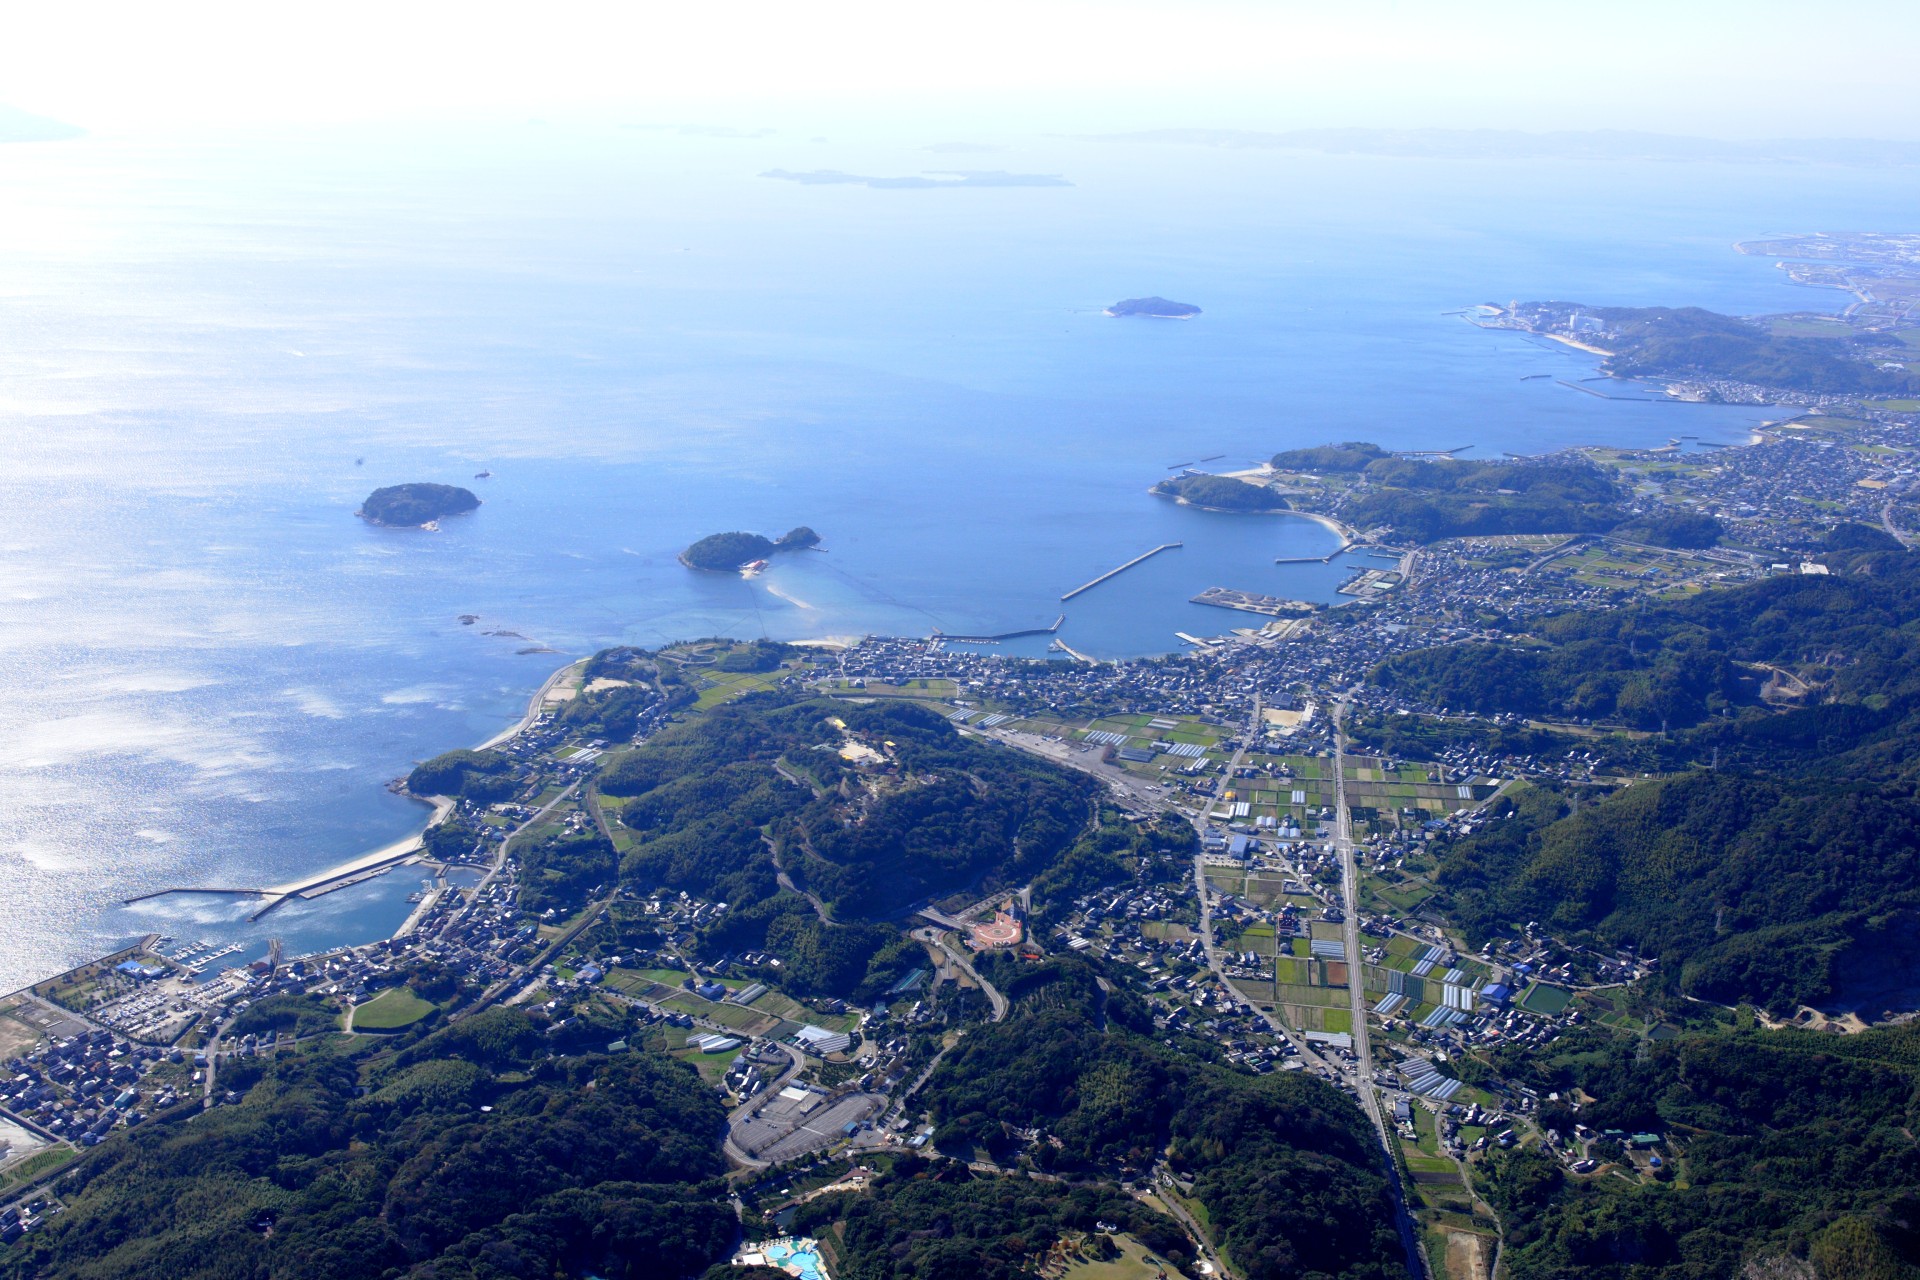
{"x":1347,"y":535}
{"x":398,"y":850}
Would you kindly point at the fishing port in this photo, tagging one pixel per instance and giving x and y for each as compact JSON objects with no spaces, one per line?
{"x":1252,"y":602}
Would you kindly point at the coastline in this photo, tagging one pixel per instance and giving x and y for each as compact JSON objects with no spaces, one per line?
{"x":1578,"y":345}
{"x":399,"y":850}
{"x":1346,"y":534}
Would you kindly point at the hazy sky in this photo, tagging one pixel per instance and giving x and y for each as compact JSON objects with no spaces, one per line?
{"x":1752,"y":68}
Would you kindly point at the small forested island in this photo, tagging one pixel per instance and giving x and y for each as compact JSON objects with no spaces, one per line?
{"x":725,"y":552}
{"x":1157,"y":308}
{"x":1221,"y":493}
{"x":408,"y":506}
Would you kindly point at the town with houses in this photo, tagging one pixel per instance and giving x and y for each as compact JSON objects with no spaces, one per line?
{"x":1298,"y":940}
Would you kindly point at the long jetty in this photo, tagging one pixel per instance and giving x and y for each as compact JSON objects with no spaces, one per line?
{"x":1114,"y":573}
{"x":161,"y":893}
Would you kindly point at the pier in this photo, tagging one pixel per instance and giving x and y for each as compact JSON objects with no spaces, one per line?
{"x":1253,"y":602}
{"x":1574,"y":386}
{"x":1114,"y":573}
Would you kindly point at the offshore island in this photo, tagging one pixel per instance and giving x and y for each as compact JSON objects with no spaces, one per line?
{"x":417,"y":505}
{"x":1154,"y":308}
{"x":727,"y":552}
{"x":1551,"y":913}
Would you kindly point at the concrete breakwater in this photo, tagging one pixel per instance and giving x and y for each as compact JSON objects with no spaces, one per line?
{"x":1114,"y":573}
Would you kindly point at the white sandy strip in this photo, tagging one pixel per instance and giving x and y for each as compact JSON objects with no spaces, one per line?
{"x":442,"y":805}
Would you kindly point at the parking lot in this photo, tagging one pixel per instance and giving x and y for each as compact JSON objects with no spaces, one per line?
{"x":786,"y":1128}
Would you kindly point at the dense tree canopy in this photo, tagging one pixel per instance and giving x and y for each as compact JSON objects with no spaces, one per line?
{"x":1793,"y":1144}
{"x":1352,"y":455}
{"x":1682,"y":342}
{"x":1285,"y":1165}
{"x":589,"y":1164}
{"x":1425,"y":500}
{"x":1226,"y":493}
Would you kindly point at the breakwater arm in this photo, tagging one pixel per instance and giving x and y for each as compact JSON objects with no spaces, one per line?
{"x":1114,"y":573}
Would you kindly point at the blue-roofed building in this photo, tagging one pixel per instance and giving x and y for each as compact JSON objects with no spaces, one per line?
{"x":912,"y":982}
{"x":1497,"y":993}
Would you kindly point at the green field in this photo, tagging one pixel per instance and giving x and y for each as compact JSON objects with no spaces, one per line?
{"x":392,"y":1009}
{"x":774,"y":1004}
{"x":1134,"y":1263}
{"x":1543,"y":999}
{"x":36,"y":1166}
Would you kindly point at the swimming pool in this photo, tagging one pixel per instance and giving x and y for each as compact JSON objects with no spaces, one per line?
{"x":795,"y":1255}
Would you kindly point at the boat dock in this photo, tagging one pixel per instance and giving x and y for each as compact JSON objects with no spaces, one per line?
{"x":1114,"y":573}
{"x":1253,"y":602}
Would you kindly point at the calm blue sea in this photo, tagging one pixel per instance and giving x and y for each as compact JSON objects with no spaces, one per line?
{"x":215,"y":348}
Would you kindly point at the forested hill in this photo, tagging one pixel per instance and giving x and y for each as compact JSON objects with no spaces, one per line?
{"x":1792,"y":1156}
{"x":720,"y":805}
{"x":1849,"y":635}
{"x":1424,"y":500}
{"x":1286,"y":1167}
{"x":1222,"y":493}
{"x":1689,"y":342}
{"x":475,"y":1156}
{"x":1791,"y":875}
{"x":1776,"y":890}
